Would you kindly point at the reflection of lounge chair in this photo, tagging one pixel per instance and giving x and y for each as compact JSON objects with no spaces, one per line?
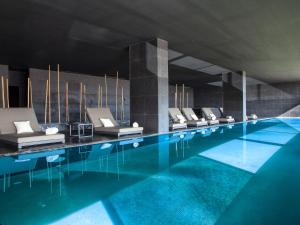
{"x":218,"y":114}
{"x":176,"y":122}
{"x":9,"y":133}
{"x":95,"y":115}
{"x":189,"y":114}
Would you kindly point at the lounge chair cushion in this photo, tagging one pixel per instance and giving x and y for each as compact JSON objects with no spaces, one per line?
{"x":178,"y":126}
{"x":197,"y":123}
{"x":173,"y":112}
{"x":94,"y":115}
{"x":30,"y":137}
{"x":11,"y":115}
{"x":119,"y":130}
{"x":194,"y":117}
{"x":23,"y":127}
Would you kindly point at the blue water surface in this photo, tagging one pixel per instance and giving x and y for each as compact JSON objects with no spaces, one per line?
{"x":242,"y":174}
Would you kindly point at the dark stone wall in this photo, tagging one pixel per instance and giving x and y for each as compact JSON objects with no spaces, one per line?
{"x":271,"y":100}
{"x":208,"y":96}
{"x":149,"y":84}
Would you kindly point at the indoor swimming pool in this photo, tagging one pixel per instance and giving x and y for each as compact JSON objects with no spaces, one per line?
{"x":247,"y":173}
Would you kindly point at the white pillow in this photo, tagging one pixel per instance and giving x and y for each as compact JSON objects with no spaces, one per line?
{"x":203,"y":119}
{"x":180,"y":117}
{"x":194,"y":117}
{"x":228,"y":117}
{"x":23,"y":127}
{"x":51,"y":130}
{"x":106,"y":122}
{"x":212,"y":116}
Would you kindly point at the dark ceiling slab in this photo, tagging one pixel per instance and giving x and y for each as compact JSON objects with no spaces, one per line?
{"x":260,"y":37}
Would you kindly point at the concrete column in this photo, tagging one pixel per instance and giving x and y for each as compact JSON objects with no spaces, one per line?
{"x":234,"y":95}
{"x":149,"y":85}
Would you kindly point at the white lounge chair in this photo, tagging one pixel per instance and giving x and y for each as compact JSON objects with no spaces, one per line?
{"x":194,"y":120}
{"x":176,"y":123}
{"x":95,"y":115}
{"x":9,"y":135}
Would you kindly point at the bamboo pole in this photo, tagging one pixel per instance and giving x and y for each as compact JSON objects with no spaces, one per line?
{"x":175,"y":96}
{"x":7,"y":93}
{"x":30,"y":86}
{"x":187,"y":99}
{"x":58,"y":92}
{"x":99,"y":96}
{"x":46,"y":100}
{"x":49,"y":93}
{"x":122,"y":105}
{"x":105,"y":79}
{"x":28,"y":92}
{"x":3,"y":98}
{"x":67,"y":102}
{"x":80,"y":101}
{"x":179,"y":100}
{"x":84,"y":94}
{"x":182,"y":96}
{"x":117,"y":83}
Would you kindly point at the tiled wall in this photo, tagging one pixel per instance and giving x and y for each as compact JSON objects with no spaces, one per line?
{"x":208,"y":96}
{"x":270,"y":100}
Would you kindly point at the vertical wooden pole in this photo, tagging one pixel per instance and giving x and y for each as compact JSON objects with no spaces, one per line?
{"x":182,"y":96}
{"x":30,"y":86}
{"x":46,"y":100}
{"x":7,"y":93}
{"x":58,"y":92}
{"x":49,"y":93}
{"x":175,"y":96}
{"x":105,"y":79}
{"x":99,"y":96}
{"x":187,"y":99}
{"x":67,"y":102}
{"x":117,"y":81}
{"x":84,"y":94}
{"x":179,"y":100}
{"x":122,"y":105}
{"x":3,"y":98}
{"x":80,"y":101}
{"x":28,"y":92}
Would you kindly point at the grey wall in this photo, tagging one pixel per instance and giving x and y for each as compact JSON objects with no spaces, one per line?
{"x":270,"y":100}
{"x":39,"y":78}
{"x":208,"y":96}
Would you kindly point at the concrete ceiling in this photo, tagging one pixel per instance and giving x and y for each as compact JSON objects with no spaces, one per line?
{"x":260,"y":37}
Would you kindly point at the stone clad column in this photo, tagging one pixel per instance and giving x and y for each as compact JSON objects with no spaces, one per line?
{"x":234,"y":95}
{"x":149,"y":85}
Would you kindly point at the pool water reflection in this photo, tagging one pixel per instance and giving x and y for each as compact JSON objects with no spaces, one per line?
{"x":189,"y":177}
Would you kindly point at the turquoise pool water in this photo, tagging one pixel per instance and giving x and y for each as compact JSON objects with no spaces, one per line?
{"x":242,"y":174}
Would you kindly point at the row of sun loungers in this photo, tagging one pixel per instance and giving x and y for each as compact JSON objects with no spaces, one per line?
{"x":187,"y":118}
{"x":103,"y":121}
